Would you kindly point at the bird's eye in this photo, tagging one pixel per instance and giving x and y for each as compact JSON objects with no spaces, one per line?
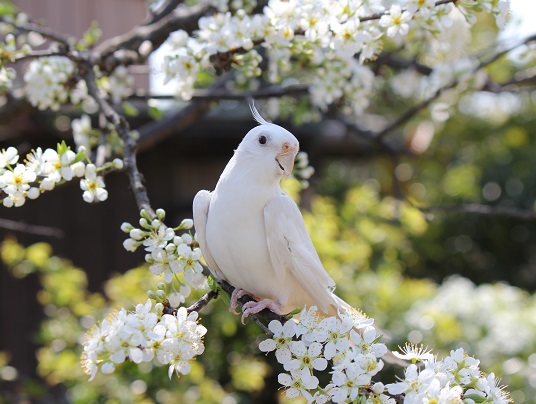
{"x":262,"y":139}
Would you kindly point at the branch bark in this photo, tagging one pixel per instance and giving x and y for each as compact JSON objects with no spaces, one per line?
{"x":125,"y":49}
{"x":122,"y":127}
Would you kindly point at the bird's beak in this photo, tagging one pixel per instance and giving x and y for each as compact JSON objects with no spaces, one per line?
{"x":286,"y":158}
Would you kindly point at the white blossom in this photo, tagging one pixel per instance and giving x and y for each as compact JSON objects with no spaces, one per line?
{"x":45,"y":79}
{"x":396,"y":21}
{"x":93,"y":185}
{"x":141,"y":336}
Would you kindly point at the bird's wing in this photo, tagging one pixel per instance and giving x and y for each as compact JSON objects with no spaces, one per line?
{"x":200,"y":209}
{"x":291,"y":249}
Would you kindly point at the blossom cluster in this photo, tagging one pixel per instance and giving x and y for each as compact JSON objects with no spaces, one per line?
{"x":455,"y":379}
{"x":349,"y":341}
{"x":329,"y":39}
{"x":168,"y":254}
{"x":45,"y":81}
{"x":50,"y":82}
{"x":491,"y":319}
{"x":145,"y":335}
{"x":43,"y":170}
{"x":350,"y":345}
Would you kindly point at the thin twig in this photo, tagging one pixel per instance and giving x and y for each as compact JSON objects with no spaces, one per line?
{"x":31,"y":228}
{"x":203,"y":301}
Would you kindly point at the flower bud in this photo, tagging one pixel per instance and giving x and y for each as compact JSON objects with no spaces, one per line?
{"x":160,"y":214}
{"x":378,"y":388}
{"x":118,"y":163}
{"x":136,"y":234}
{"x":130,"y":245}
{"x":126,"y":227}
{"x":186,"y":224}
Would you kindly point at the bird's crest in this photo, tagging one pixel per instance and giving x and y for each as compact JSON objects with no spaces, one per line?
{"x":256,"y":115}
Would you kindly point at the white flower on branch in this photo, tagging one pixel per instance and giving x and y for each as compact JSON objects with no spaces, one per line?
{"x":8,"y":157}
{"x":181,"y":340}
{"x":168,"y":254}
{"x":164,"y":263}
{"x":58,"y":166}
{"x":396,"y":21}
{"x":16,"y":184}
{"x":298,"y":383}
{"x":45,"y":80}
{"x":142,"y":336}
{"x":82,"y":131}
{"x":93,"y":186}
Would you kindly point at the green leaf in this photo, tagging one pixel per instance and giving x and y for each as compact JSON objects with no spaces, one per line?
{"x":475,"y":397}
{"x":292,"y":313}
{"x":62,"y":147}
{"x":92,"y":34}
{"x":79,"y":157}
{"x":155,"y":113}
{"x":7,"y":9}
{"x":129,"y":109}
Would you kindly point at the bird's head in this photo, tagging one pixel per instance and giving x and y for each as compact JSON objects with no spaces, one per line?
{"x":272,"y":147}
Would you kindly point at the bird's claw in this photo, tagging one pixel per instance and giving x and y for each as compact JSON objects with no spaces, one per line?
{"x":255,"y":307}
{"x":237,"y":294}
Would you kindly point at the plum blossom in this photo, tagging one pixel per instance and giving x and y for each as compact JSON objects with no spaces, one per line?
{"x":396,"y":21}
{"x":93,"y":186}
{"x":298,"y":383}
{"x":45,"y":79}
{"x":142,"y":336}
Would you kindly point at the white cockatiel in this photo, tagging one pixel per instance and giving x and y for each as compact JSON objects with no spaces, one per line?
{"x":252,"y":234}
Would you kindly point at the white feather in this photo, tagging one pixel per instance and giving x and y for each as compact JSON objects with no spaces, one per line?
{"x":256,"y":115}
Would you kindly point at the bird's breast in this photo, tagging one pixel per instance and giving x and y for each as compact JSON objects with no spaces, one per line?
{"x":236,"y":237}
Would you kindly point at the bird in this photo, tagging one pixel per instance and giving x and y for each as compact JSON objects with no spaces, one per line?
{"x":252,"y":234}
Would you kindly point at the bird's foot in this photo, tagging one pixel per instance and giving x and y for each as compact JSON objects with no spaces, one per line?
{"x":237,"y":294}
{"x":255,"y":307}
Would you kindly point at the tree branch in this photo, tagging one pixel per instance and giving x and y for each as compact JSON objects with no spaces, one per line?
{"x":203,"y":301}
{"x":128,"y":45}
{"x":45,"y":32}
{"x":123,"y":129}
{"x":31,"y":229}
{"x":154,"y":132}
{"x":484,"y":210}
{"x":164,"y":10}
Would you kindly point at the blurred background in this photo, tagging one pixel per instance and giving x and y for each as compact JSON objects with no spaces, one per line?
{"x":408,"y":238}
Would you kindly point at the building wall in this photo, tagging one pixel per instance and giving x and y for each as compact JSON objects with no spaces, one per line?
{"x":74,"y":17}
